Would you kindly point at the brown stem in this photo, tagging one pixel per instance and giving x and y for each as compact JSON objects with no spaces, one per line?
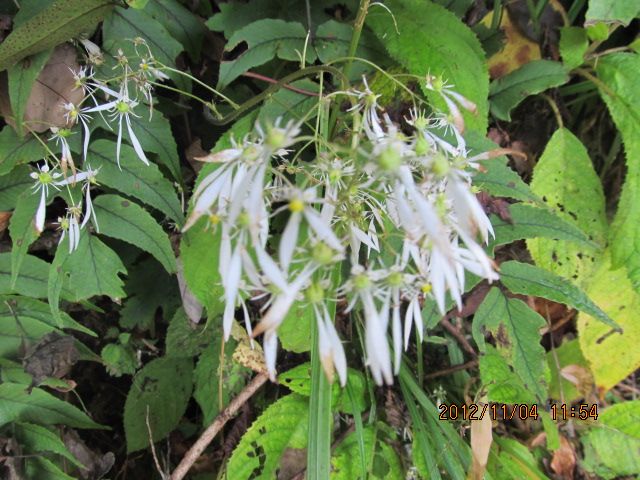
{"x":458,"y":335}
{"x":275,"y":82}
{"x":455,"y":368}
{"x":212,"y":430}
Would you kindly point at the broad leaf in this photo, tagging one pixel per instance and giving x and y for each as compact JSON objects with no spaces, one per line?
{"x":186,"y":339}
{"x":22,"y":229}
{"x":426,"y":38}
{"x":528,"y":221}
{"x":619,"y":72}
{"x":516,"y":330}
{"x":612,"y":356}
{"x":573,"y":46}
{"x":290,"y":104}
{"x":15,"y":150}
{"x":568,"y":357}
{"x":32,"y":280}
{"x":565,"y":179}
{"x":259,"y":451}
{"x":159,"y":393}
{"x":21,"y":78}
{"x":93,"y":269}
{"x":12,"y":185}
{"x":612,"y":11}
{"x":507,"y":92}
{"x":183,"y":25}
{"x":39,"y":407}
{"x":122,"y":219}
{"x":265,"y":39}
{"x":530,"y":280}
{"x":502,"y":383}
{"x":144,"y":182}
{"x":511,"y":459}
{"x":500,"y":180}
{"x":55,"y":24}
{"x":131,"y":23}
{"x":35,"y":438}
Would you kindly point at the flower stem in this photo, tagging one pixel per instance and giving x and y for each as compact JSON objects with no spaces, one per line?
{"x":357,"y":31}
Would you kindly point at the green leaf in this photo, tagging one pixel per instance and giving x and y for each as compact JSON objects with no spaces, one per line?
{"x":22,"y":230}
{"x":93,"y":270}
{"x":516,"y":329}
{"x":290,"y":104}
{"x":122,"y":219}
{"x":621,"y":93}
{"x":573,"y":46}
{"x":612,"y":11}
{"x":160,"y":391}
{"x":293,"y":333}
{"x":265,"y":39}
{"x":216,"y":383}
{"x":530,"y":280}
{"x":119,"y":359}
{"x":507,"y":92}
{"x":39,"y":407}
{"x":260,"y":448}
{"x":333,"y":39}
{"x":612,"y":356}
{"x":611,"y":447}
{"x":12,"y":185}
{"x":183,"y":25}
{"x":500,"y":180}
{"x":430,"y":39}
{"x":36,"y":438}
{"x":21,"y":78}
{"x":155,"y":136}
{"x":528,"y":221}
{"x":32,"y":280}
{"x":144,"y":182}
{"x":186,"y":339}
{"x":27,"y":320}
{"x":502,"y":384}
{"x":57,"y":23}
{"x":44,"y":469}
{"x":379,"y":455}
{"x":568,"y":353}
{"x":564,"y":177}
{"x":131,"y":23}
{"x":15,"y":150}
{"x":509,"y":459}
{"x":233,"y":16}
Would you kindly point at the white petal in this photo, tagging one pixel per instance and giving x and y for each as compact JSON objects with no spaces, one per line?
{"x":231,"y":286}
{"x":135,"y":142}
{"x":322,"y":229}
{"x":396,"y":329}
{"x":41,"y":212}
{"x":288,"y":240}
{"x":271,"y":270}
{"x":270,"y":347}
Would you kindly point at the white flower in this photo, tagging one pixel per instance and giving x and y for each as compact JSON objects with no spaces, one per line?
{"x":73,"y":116}
{"x":43,"y":179}
{"x":69,"y":223}
{"x":89,"y":178}
{"x":330,"y":347}
{"x":122,"y":109}
{"x":368,"y":104}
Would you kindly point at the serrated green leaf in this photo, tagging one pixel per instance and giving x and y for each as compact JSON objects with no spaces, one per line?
{"x":22,"y":230}
{"x":612,"y":11}
{"x":624,"y":417}
{"x":93,"y":270}
{"x":216,"y":382}
{"x":530,"y":280}
{"x":144,"y":182}
{"x":39,"y":407}
{"x":32,"y":281}
{"x":183,"y":25}
{"x":564,"y":177}
{"x":21,"y":78}
{"x":622,"y":96}
{"x":36,"y":438}
{"x":260,"y":448}
{"x":55,"y":24}
{"x":186,"y":339}
{"x":155,"y":136}
{"x":502,"y":384}
{"x":500,"y":180}
{"x":15,"y":150}
{"x":516,"y":329}
{"x":573,"y":46}
{"x":27,"y":320}
{"x":122,"y":219}
{"x":12,"y":185}
{"x":507,"y":92}
{"x":265,"y":39}
{"x":333,"y":39}
{"x":161,"y":391}
{"x":427,"y":40}
{"x":528,"y":221}
{"x":290,"y":104}
{"x":131,"y":23}
{"x":119,"y":359}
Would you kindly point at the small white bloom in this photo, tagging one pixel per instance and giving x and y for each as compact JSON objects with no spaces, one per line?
{"x":43,"y":179}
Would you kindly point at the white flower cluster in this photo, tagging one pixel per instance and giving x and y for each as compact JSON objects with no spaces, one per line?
{"x":398,"y":208}
{"x":119,"y":102}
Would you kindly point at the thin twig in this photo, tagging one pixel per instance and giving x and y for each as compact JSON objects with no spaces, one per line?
{"x":153,"y":447}
{"x":458,"y":335}
{"x":212,"y":430}
{"x":455,"y":368}
{"x":273,"y":81}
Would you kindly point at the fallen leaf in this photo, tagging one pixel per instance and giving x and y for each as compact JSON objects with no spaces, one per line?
{"x":97,"y":464}
{"x":4,"y":220}
{"x":52,"y":356}
{"x":192,"y":307}
{"x":244,"y":354}
{"x":481,"y":440}
{"x":564,"y":460}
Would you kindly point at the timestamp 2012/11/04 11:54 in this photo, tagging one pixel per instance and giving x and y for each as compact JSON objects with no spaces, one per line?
{"x":501,"y":411}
